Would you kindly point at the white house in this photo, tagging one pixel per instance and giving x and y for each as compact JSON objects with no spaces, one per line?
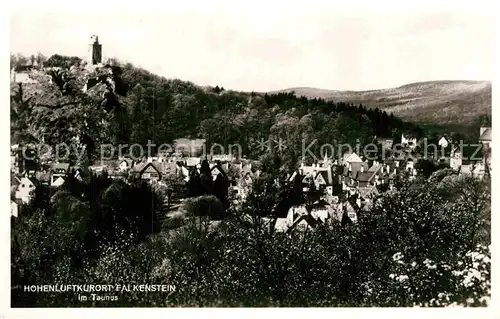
{"x":125,"y":164}
{"x":485,"y":136}
{"x":485,"y":139}
{"x":443,"y":142}
{"x":58,"y":181}
{"x":351,"y":158}
{"x":25,"y":190}
{"x":13,"y":208}
{"x":456,"y":159}
{"x":21,"y":74}
{"x":411,"y":142}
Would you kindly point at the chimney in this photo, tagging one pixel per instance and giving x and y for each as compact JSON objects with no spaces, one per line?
{"x":302,"y":165}
{"x":241,"y":165}
{"x":358,"y":201}
{"x":396,"y":163}
{"x":388,"y":168}
{"x":362,"y":169}
{"x":395,"y":171}
{"x":350,"y":167}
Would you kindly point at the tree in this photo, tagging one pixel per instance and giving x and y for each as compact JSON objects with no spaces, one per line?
{"x":220,"y":189}
{"x":194,"y":186}
{"x":425,"y":167}
{"x":206,"y":178}
{"x":174,"y":185}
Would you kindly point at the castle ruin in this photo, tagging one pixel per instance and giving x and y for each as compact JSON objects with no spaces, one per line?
{"x":95,"y":51}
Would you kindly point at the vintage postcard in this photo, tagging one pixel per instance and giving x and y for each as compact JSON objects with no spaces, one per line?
{"x":266,"y":155}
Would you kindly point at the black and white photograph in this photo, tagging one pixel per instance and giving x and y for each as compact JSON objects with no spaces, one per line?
{"x":255,"y":154}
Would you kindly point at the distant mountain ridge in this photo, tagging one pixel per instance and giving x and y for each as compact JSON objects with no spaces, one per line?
{"x":432,"y":102}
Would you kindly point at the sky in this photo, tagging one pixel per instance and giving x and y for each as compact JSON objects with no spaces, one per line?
{"x":266,"y":45}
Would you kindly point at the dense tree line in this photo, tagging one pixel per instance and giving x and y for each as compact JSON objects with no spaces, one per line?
{"x":425,"y":244}
{"x":61,"y":231}
{"x":139,"y":106}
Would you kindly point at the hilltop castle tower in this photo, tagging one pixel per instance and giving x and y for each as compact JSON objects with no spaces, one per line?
{"x":95,"y":51}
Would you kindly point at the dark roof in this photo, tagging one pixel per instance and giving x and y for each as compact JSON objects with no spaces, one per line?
{"x":128,"y":161}
{"x":23,"y":68}
{"x":220,"y":168}
{"x":486,"y":136}
{"x":161,"y":167}
{"x":366,"y":176}
{"x":64,"y":166}
{"x":355,"y":168}
{"x":376,"y":168}
{"x":142,"y":167}
{"x":310,"y":220}
{"x":14,"y":181}
{"x":327,"y":176}
{"x":351,"y":200}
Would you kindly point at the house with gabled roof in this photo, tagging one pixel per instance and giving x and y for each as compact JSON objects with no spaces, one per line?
{"x":386,"y":142}
{"x":192,"y":161}
{"x":352,"y":206}
{"x":125,"y":164}
{"x":326,"y":161}
{"x":444,"y":142}
{"x":26,"y":189}
{"x":350,"y":173}
{"x":408,"y":141}
{"x":351,"y":158}
{"x":485,"y":134}
{"x":58,"y":171}
{"x":22,"y":74}
{"x":325,"y":179}
{"x":485,"y":139}
{"x":149,"y":172}
{"x":217,"y":169}
{"x":473,"y":169}
{"x":367,"y":179}
{"x":298,"y":217}
{"x":304,"y":222}
{"x":243,"y":183}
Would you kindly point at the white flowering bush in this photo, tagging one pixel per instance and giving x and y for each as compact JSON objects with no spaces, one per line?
{"x":466,"y":282}
{"x":415,"y":248}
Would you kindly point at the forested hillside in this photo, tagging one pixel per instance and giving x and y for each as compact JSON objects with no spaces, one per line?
{"x":125,"y":104}
{"x":451,"y":103}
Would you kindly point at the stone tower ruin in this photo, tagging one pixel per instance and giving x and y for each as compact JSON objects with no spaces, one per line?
{"x":95,"y":51}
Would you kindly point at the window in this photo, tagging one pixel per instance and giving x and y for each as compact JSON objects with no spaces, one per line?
{"x":23,"y":186}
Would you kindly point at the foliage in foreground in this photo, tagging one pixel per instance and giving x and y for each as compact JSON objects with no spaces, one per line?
{"x":424,"y":245}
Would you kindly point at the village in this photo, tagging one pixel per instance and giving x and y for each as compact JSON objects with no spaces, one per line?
{"x":275,"y":156}
{"x":349,"y":184}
